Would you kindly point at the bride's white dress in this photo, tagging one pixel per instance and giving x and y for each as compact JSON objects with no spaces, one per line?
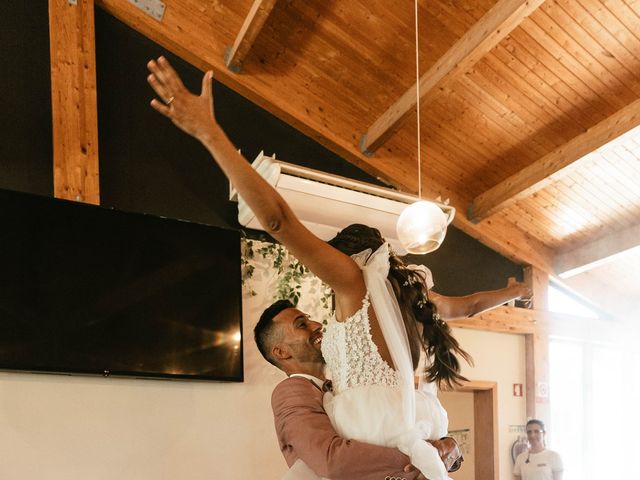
{"x":367,"y":401}
{"x":371,"y":402}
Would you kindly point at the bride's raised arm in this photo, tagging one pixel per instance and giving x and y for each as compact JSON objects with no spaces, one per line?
{"x":194,"y":114}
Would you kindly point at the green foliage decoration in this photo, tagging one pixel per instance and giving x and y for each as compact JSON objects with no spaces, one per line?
{"x":290,"y":273}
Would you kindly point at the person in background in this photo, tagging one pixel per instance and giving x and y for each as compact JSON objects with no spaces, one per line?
{"x":539,"y":463}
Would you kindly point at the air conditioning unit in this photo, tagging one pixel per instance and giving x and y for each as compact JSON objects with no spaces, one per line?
{"x":327,"y":203}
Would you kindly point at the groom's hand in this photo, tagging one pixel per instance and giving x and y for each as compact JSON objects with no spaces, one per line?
{"x":410,"y":468}
{"x":449,"y":452}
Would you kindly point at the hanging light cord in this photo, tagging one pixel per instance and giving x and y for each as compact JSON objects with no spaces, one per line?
{"x":418,"y":105}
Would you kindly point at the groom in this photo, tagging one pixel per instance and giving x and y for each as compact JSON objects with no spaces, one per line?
{"x":291,"y":341}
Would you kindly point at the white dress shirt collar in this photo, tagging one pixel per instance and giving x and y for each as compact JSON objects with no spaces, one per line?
{"x":315,"y":380}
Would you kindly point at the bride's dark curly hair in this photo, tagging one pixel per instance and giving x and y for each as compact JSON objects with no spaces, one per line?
{"x":413,"y":297}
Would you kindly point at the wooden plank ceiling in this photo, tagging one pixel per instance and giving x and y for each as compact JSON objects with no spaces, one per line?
{"x":519,"y":100}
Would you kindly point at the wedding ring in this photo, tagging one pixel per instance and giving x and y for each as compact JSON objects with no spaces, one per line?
{"x":171,"y":99}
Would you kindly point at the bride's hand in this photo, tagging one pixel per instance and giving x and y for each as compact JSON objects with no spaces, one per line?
{"x":191,"y":113}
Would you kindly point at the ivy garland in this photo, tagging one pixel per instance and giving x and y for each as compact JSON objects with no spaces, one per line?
{"x":289,"y":271}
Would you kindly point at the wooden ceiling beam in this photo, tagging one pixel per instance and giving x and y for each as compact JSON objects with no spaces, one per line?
{"x":507,"y":239}
{"x":495,"y":25}
{"x":597,"y":252}
{"x":554,"y":165}
{"x":235,"y":55}
{"x":74,"y":100}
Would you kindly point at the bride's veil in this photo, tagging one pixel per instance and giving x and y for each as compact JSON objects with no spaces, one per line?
{"x":375,"y":269}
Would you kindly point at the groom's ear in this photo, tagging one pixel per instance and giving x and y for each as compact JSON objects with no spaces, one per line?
{"x":280,"y":352}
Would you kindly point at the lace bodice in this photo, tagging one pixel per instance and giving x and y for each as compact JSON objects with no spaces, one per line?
{"x":351,"y":355}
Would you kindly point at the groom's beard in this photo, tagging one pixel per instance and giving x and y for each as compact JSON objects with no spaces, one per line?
{"x":303,"y":352}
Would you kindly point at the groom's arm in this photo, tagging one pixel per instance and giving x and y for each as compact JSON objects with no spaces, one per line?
{"x":305,"y":431}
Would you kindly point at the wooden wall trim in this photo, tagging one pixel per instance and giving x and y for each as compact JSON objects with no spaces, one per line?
{"x":502,"y":320}
{"x":475,"y":385}
{"x":74,"y":101}
{"x":485,"y":435}
{"x":485,"y":407}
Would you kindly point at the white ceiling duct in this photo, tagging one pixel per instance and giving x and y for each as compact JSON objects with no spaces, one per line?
{"x":327,"y":203}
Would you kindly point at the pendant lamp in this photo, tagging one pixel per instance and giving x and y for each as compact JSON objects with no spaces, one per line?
{"x":422,"y":226}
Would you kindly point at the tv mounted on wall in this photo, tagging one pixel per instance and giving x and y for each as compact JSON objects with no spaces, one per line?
{"x":90,"y":290}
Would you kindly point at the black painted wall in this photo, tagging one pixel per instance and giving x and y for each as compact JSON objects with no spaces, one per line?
{"x":25,"y":98}
{"x":146,"y":164}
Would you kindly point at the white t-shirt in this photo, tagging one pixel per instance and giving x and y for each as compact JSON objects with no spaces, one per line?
{"x":540,"y":466}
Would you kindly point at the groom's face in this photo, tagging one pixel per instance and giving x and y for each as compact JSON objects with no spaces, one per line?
{"x":301,"y":336}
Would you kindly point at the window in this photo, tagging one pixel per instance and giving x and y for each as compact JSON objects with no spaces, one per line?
{"x":594,"y":395}
{"x":567,"y":430}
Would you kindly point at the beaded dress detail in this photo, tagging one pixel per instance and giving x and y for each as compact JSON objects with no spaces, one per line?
{"x":351,"y":355}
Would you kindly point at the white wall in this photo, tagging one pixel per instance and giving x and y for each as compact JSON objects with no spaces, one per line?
{"x":55,"y":427}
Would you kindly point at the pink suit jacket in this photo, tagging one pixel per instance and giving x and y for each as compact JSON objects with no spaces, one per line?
{"x":305,"y":432}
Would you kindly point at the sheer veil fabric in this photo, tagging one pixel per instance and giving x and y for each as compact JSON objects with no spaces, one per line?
{"x":375,"y":268}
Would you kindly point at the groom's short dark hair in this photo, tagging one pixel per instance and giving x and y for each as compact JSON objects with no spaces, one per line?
{"x":265,"y":331}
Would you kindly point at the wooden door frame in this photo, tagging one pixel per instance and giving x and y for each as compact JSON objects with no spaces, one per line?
{"x":485,"y":432}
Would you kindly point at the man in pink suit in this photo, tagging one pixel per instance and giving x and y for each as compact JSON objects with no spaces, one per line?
{"x":288,"y":339}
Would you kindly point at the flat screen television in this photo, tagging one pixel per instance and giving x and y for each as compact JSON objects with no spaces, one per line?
{"x":91,"y":290}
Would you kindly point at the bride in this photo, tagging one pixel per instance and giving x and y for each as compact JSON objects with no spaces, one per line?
{"x":384,"y":316}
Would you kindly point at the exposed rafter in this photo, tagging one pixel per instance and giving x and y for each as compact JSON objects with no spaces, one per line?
{"x":74,"y":100}
{"x":596,"y":253}
{"x":554,"y":165}
{"x":506,"y":239}
{"x":234,"y":56}
{"x":495,"y":25}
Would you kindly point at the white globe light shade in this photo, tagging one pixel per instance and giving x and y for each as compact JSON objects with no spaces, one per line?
{"x":421,"y":227}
